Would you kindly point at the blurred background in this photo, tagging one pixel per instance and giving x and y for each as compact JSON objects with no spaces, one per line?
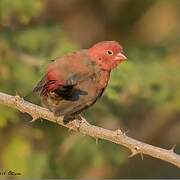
{"x":143,"y":96}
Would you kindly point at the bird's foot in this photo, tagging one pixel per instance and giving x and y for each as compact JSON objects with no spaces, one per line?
{"x":70,"y":118}
{"x":77,"y":120}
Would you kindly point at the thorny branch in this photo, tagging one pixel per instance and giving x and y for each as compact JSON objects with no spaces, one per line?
{"x":118,"y":137}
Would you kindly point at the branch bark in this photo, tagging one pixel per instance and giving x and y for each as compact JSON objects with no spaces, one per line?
{"x":117,"y":136}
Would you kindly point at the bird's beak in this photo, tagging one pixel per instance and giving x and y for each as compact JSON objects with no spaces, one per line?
{"x":121,"y":57}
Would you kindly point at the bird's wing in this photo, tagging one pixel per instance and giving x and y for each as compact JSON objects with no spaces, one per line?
{"x":64,"y":73}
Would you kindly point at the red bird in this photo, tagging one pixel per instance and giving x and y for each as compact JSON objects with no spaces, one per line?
{"x":75,"y":81}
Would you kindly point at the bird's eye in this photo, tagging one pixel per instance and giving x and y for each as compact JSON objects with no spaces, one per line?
{"x":109,"y":52}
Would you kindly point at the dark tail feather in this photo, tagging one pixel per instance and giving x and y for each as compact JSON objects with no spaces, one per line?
{"x":28,"y":96}
{"x":39,"y":87}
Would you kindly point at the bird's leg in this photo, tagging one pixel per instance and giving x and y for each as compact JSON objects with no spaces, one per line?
{"x":79,"y":121}
{"x":79,"y":117}
{"x":68,"y":119}
{"x":72,"y":117}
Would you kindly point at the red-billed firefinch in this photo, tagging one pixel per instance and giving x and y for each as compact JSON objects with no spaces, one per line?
{"x":75,"y":81}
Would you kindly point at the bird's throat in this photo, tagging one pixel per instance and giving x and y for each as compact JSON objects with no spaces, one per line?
{"x":104,"y":78}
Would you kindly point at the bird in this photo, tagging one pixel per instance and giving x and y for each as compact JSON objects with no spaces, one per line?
{"x":75,"y":81}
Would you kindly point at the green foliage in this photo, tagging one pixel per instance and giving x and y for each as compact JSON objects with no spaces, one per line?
{"x":34,"y":40}
{"x":19,"y":157}
{"x":154,"y":81}
{"x":24,"y":10}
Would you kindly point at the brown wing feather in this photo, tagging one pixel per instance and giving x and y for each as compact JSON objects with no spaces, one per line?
{"x":72,"y":83}
{"x":64,"y":71}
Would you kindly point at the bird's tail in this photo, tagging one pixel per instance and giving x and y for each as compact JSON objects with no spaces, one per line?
{"x":38,"y":88}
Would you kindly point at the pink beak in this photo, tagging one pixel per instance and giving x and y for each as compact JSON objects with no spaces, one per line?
{"x":120,"y":56}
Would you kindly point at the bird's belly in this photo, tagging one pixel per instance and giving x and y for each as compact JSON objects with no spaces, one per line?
{"x":84,"y":94}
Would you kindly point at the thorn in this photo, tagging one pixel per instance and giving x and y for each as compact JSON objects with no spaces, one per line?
{"x":125,"y":132}
{"x":96,"y":140}
{"x":17,"y":97}
{"x":17,"y":94}
{"x":173,"y":148}
{"x":133,"y":153}
{"x":82,"y":120}
{"x":80,"y":116}
{"x":70,"y":129}
{"x":141,"y":156}
{"x":78,"y":124}
{"x":34,"y":118}
{"x":118,"y":132}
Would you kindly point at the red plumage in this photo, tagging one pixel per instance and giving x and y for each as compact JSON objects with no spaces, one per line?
{"x":75,"y":81}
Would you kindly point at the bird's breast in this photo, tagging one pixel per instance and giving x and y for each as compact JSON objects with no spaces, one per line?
{"x":104,"y":78}
{"x":99,"y":82}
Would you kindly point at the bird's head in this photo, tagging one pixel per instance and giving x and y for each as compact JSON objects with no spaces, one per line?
{"x":107,"y":54}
